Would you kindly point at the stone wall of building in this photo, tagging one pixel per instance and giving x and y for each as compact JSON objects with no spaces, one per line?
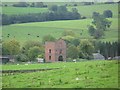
{"x":55,"y":51}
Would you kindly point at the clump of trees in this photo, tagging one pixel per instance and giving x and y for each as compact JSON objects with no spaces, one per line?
{"x":48,"y":38}
{"x":54,"y":13}
{"x":28,"y":52}
{"x":11,"y":47}
{"x":86,"y":49}
{"x":21,"y":57}
{"x":25,"y":4}
{"x":88,"y":3}
{"x":21,"y":4}
{"x":33,"y":53}
{"x":108,"y":14}
{"x":77,"y":48}
{"x":107,"y":49}
{"x":32,"y":49}
{"x":72,"y":51}
{"x":99,"y":25}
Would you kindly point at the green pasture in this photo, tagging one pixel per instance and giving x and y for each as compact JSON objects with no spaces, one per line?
{"x":39,"y":29}
{"x":88,"y":10}
{"x":89,"y":74}
{"x":85,"y":10}
{"x":22,"y":10}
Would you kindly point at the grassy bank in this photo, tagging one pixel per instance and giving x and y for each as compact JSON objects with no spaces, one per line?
{"x":89,"y":74}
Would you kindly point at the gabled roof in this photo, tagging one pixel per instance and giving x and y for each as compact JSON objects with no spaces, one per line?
{"x":98,"y":56}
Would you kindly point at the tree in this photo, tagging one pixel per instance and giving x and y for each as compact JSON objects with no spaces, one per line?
{"x":62,"y":9}
{"x":86,"y":49}
{"x":48,"y":38}
{"x":40,"y":4}
{"x":5,"y":19}
{"x":100,"y":21}
{"x":61,"y":14}
{"x":29,"y":44}
{"x":22,"y":57}
{"x":21,"y":4}
{"x":98,"y":34}
{"x":101,"y":24}
{"x":68,"y":33}
{"x":75,"y":41}
{"x":5,"y":50}
{"x":53,"y":8}
{"x":88,"y":3}
{"x":32,"y":4}
{"x":30,"y":47}
{"x":33,"y":53}
{"x":91,"y":30}
{"x":72,"y":52}
{"x":76,"y":15}
{"x":68,"y":38}
{"x":108,"y":14}
{"x":11,"y":47}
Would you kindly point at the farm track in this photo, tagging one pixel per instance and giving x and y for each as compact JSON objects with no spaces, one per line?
{"x":56,"y":27}
{"x":26,"y":71}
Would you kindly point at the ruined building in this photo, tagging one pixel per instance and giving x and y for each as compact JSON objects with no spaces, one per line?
{"x":55,"y":51}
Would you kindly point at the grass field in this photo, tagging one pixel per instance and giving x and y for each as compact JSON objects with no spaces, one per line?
{"x":88,"y":74}
{"x":83,"y":10}
{"x":55,"y":28}
{"x":22,"y":10}
{"x":89,"y":9}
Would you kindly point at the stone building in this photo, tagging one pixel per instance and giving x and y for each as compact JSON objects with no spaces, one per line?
{"x":55,"y":51}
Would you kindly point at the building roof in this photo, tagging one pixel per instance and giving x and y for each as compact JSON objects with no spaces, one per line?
{"x":98,"y":56}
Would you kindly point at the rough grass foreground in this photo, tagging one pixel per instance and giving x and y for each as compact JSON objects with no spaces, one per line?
{"x":89,"y":74}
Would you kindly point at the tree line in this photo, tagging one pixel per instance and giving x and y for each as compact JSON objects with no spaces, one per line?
{"x":108,"y":49}
{"x":55,"y":13}
{"x":33,"y":4}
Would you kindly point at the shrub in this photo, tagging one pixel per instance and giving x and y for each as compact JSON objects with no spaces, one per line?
{"x":69,"y":60}
{"x":108,"y":14}
{"x":22,"y":58}
{"x":4,"y":61}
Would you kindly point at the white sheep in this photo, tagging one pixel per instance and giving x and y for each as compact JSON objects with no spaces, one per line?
{"x":26,"y":64}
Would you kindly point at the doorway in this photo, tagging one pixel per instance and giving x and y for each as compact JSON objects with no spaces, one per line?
{"x":60,"y":58}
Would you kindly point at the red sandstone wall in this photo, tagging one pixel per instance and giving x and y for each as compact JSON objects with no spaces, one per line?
{"x":61,"y":45}
{"x":55,"y":50}
{"x":50,"y":45}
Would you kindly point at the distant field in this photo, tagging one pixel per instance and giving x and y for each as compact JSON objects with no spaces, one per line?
{"x":20,"y":31}
{"x":89,"y":9}
{"x":83,"y":10}
{"x":22,"y":10}
{"x":89,"y":74}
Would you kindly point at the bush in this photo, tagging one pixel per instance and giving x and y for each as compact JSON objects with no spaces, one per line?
{"x":21,"y":4}
{"x":75,"y":5}
{"x":83,"y":17}
{"x":108,"y":14}
{"x":4,"y":61}
{"x":33,"y":53}
{"x":21,"y":58}
{"x":80,"y":60}
{"x":5,"y":5}
{"x":69,"y":60}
